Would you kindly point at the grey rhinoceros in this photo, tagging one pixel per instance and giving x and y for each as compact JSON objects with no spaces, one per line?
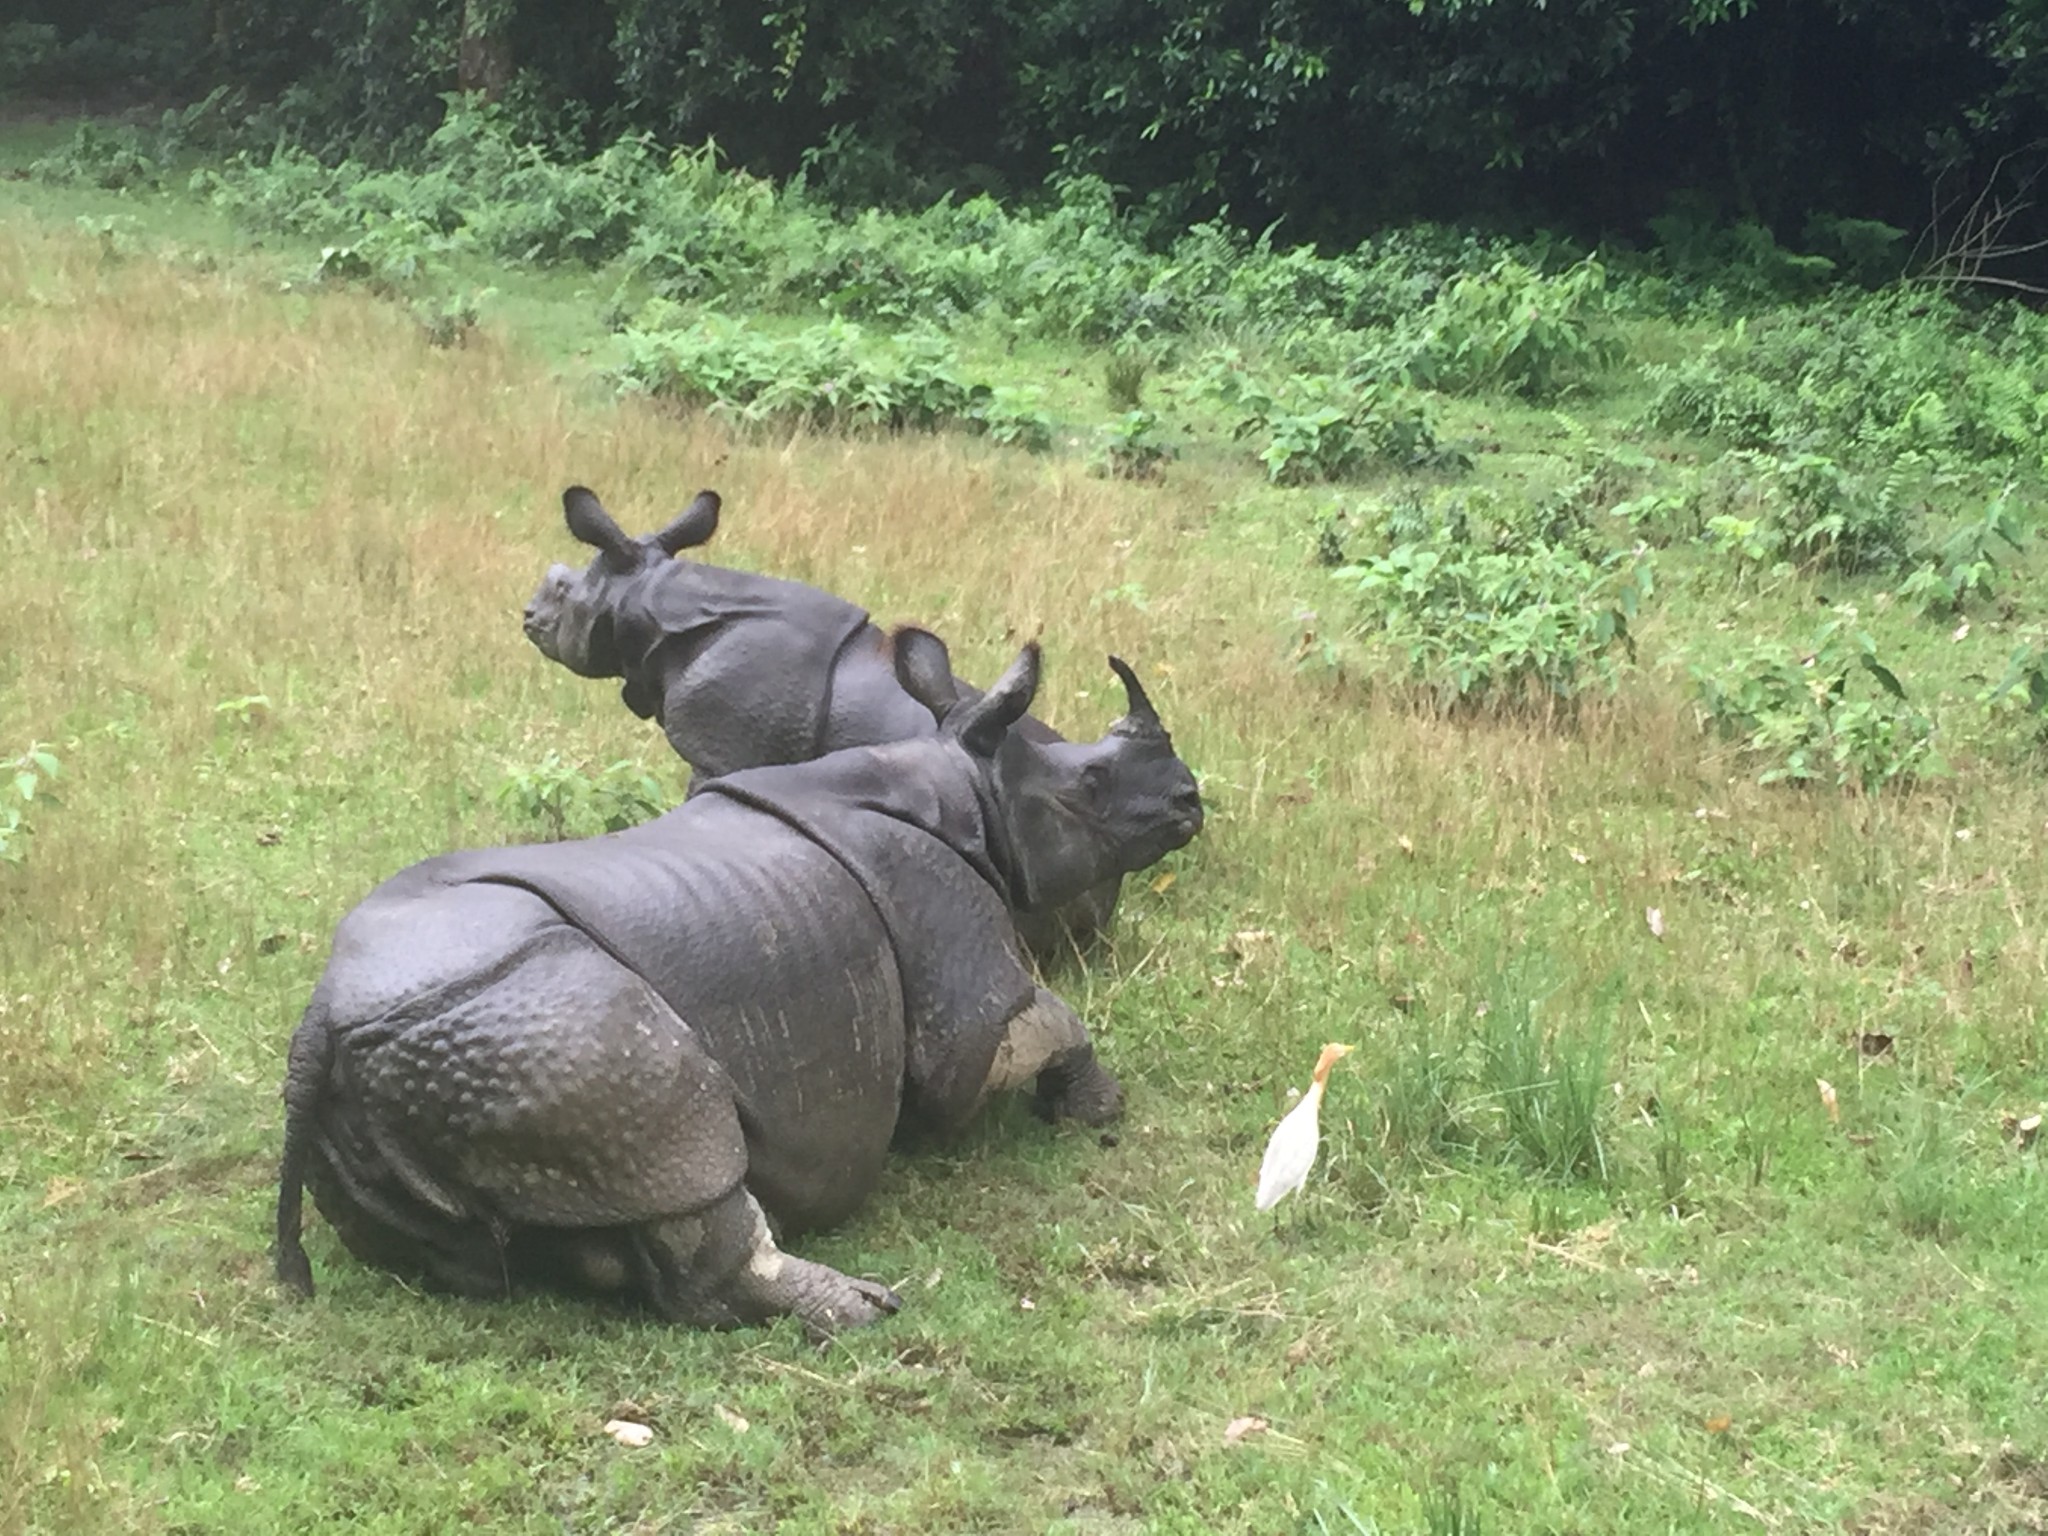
{"x":611,"y":1064}
{"x":743,"y":670}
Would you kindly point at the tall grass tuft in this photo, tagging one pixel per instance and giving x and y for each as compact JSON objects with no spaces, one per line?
{"x":1549,"y":1086}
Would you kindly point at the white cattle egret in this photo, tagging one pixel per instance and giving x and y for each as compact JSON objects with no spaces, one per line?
{"x":1292,"y":1151}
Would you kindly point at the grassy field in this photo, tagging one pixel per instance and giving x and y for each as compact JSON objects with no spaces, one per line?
{"x":1587,"y":1252}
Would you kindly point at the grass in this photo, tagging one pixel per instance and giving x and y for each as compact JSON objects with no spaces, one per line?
{"x":1595,"y":1258}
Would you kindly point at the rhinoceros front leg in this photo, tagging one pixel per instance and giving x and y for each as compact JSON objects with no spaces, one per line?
{"x":720,"y":1268}
{"x":1048,"y":1041}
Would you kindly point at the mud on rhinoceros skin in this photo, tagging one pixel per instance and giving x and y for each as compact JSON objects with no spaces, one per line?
{"x":743,"y":670}
{"x":610,"y":1065}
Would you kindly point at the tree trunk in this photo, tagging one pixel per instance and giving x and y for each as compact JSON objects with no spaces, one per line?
{"x":483,"y":61}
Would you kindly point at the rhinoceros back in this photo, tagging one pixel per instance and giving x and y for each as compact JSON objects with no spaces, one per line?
{"x":771,"y":952}
{"x":738,"y":667}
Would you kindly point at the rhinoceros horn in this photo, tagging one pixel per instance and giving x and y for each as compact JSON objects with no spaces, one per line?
{"x":1140,"y":718}
{"x":694,"y":525}
{"x":592,"y":525}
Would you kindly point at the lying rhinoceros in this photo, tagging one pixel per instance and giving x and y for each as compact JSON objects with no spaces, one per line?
{"x":610,"y":1064}
{"x":743,"y":670}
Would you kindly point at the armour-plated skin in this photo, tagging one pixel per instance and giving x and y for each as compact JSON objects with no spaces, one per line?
{"x":744,"y":671}
{"x":610,"y":1065}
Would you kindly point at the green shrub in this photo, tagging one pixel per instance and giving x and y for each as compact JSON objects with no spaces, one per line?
{"x":1129,"y":447}
{"x":1500,"y":627}
{"x":564,"y":801}
{"x":2022,"y":691}
{"x":1829,"y":711}
{"x":1314,"y":427}
{"x":1867,"y":380}
{"x":1964,"y":566}
{"x":26,"y":790}
{"x":1514,"y":330}
{"x":830,"y":375}
{"x":1808,"y":510}
{"x":1014,"y":417}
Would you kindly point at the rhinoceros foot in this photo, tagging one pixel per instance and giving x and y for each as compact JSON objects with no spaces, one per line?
{"x":1083,"y":1091}
{"x":830,"y":1303}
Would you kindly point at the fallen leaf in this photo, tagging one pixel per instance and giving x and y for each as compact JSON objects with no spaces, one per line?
{"x":731,"y":1420}
{"x":1962,"y":632}
{"x":1828,"y":1101}
{"x":1237,"y":1429}
{"x":1654,"y":916}
{"x":1163,"y":884}
{"x":61,"y":1189}
{"x":1718,"y":1424}
{"x":629,"y":1434}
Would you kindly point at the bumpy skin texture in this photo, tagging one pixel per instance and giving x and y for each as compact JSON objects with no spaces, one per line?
{"x":744,"y":671}
{"x":610,"y":1064}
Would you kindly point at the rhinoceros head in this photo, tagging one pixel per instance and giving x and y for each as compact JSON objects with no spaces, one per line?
{"x":1075,"y":813}
{"x":570,"y":616}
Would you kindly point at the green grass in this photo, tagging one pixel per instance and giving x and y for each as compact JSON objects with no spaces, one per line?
{"x":1585,"y":1251}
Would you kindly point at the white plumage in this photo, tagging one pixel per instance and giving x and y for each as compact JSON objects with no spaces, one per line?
{"x":1292,"y":1151}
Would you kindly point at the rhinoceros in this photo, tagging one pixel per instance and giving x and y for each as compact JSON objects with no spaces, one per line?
{"x":743,"y":670}
{"x":624,"y":1064}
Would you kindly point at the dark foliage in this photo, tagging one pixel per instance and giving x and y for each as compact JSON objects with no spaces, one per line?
{"x":1337,"y":117}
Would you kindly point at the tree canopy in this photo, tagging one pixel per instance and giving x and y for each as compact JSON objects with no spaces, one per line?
{"x":1333,"y":117}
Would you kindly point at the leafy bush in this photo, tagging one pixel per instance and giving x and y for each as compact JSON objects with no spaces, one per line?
{"x":1808,"y":509}
{"x":1314,"y":427}
{"x":1963,"y":566}
{"x":1500,"y":627}
{"x":28,"y":780}
{"x":1014,"y":417}
{"x":2023,"y":689}
{"x":1130,"y":448}
{"x":1869,"y":379}
{"x":827,"y":375}
{"x":1797,"y":713}
{"x":121,"y":156}
{"x":565,"y":801}
{"x":1515,"y":330}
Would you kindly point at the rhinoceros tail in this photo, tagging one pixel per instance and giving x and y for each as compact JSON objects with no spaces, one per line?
{"x":312,"y":1053}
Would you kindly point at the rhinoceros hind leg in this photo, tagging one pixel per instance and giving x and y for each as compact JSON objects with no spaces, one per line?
{"x":1047,"y":1041}
{"x":720,"y":1268}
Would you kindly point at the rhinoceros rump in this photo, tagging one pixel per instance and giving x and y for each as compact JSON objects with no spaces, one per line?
{"x":611,"y":1064}
{"x":742,"y":670}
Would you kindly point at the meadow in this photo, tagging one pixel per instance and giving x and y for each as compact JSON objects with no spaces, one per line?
{"x":1688,"y":928}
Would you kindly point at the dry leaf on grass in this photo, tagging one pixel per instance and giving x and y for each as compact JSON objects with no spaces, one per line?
{"x":1654,"y":916}
{"x":731,"y":1420}
{"x":1249,"y":1424}
{"x":1163,"y":884}
{"x":1828,"y":1101}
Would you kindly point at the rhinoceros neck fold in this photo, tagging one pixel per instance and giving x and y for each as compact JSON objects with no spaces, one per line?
{"x":926,"y":785}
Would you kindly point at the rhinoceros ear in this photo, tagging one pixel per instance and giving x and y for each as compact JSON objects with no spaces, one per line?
{"x":982,"y":724}
{"x":694,"y":525}
{"x":592,"y":525}
{"x":925,"y":669}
